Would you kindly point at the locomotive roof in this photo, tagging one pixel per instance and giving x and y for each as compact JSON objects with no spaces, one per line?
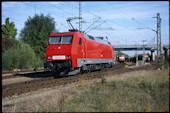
{"x":96,"y":39}
{"x":89,"y":37}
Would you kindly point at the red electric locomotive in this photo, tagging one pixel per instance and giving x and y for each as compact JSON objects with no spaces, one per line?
{"x":72,"y":50}
{"x":121,"y":58}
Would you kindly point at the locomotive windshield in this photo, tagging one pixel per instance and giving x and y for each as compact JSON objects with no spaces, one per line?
{"x":60,"y":40}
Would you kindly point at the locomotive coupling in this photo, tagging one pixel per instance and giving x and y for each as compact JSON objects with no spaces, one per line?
{"x":57,"y":64}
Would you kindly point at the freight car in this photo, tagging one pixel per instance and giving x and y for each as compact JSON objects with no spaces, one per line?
{"x":76,"y":50}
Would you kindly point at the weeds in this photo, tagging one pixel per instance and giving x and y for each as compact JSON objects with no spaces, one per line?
{"x":147,"y":94}
{"x":61,"y":103}
{"x":103,"y":80}
{"x":162,"y":64}
{"x":9,"y":105}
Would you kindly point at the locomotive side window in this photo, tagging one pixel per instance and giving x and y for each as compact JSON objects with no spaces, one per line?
{"x":61,"y":40}
{"x":109,"y":43}
{"x":80,"y":41}
{"x":91,"y":37}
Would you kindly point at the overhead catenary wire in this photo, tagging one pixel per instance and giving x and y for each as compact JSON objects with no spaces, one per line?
{"x":61,"y":9}
{"x":83,"y":10}
{"x":95,"y":26}
{"x":143,"y":24}
{"x":130,"y":18}
{"x":123,"y":26}
{"x":78,"y":9}
{"x":45,"y":10}
{"x":106,"y":20}
{"x":98,"y":16}
{"x":16,"y":20}
{"x":91,"y":25}
{"x":51,"y":13}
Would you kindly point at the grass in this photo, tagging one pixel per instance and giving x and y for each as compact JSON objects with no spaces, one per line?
{"x":137,"y":94}
{"x":9,"y":105}
{"x":149,"y":93}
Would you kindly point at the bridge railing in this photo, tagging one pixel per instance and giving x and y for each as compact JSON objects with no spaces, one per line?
{"x":134,"y":46}
{"x":165,"y":45}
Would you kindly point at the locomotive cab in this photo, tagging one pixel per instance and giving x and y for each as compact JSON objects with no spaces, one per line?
{"x":58,"y":55}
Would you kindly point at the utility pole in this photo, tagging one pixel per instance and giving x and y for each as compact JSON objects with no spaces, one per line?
{"x":136,"y":53}
{"x":80,"y":26}
{"x":73,"y":18}
{"x":143,"y":52}
{"x":158,"y":35}
{"x":158,"y":32}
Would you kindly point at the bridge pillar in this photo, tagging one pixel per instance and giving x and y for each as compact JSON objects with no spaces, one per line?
{"x":152,"y":55}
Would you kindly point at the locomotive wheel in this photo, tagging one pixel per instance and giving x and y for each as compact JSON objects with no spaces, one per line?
{"x":81,"y":71}
{"x":102,"y":66}
{"x":89,"y":70}
{"x":56,"y":74}
{"x":66,"y":71}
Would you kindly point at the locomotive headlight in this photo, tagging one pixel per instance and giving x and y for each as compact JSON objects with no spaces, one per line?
{"x":49,"y":57}
{"x":68,"y":57}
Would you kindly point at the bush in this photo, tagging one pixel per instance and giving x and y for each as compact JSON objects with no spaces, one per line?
{"x":22,"y":57}
{"x":7,"y":60}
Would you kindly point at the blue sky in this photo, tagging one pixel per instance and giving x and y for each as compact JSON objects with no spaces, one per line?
{"x":117,"y":15}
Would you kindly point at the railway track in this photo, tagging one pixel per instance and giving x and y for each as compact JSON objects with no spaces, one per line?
{"x":13,"y":74}
{"x":26,"y":74}
{"x":33,"y":85}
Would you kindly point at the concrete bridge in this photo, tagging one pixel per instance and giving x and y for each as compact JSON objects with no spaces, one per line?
{"x":138,"y":47}
{"x":134,"y":48}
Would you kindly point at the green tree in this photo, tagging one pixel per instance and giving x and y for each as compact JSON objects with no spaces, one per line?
{"x":8,"y":35}
{"x":36,"y":33}
{"x":6,"y":44}
{"x":9,"y":29}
